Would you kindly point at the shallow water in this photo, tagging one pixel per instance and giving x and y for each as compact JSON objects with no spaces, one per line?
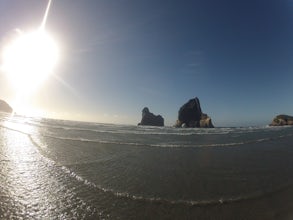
{"x":64,"y":169}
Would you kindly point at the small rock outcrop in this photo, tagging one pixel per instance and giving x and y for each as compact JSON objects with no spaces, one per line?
{"x":190,"y":116}
{"x":281,"y":120}
{"x":150,"y":119}
{"x":4,"y":107}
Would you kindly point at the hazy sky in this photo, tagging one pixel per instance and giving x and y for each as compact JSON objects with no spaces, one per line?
{"x":118,"y":56}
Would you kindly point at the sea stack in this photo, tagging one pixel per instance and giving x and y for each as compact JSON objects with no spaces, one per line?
{"x":282,"y":120}
{"x":190,"y":116}
{"x":4,"y":107}
{"x":150,"y":119}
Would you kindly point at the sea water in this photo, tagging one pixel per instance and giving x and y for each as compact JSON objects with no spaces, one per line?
{"x":55,"y":169}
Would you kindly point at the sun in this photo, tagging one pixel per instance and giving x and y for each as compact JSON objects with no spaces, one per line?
{"x":29,"y":59}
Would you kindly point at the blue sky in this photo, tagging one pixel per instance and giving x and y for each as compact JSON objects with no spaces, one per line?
{"x":118,"y":56}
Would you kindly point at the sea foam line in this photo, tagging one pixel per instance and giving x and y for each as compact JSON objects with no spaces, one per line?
{"x":210,"y":202}
{"x":141,"y":131}
{"x":168,"y":131}
{"x":166,"y":145}
{"x":137,"y":132}
{"x":232,"y":144}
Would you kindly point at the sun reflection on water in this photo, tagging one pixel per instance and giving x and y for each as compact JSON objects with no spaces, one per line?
{"x":32,"y":186}
{"x":22,"y":172}
{"x":20,"y":168}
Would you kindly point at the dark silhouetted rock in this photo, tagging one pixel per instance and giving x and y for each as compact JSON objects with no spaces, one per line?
{"x":190,"y":116}
{"x":149,"y":118}
{"x":4,"y":107}
{"x":282,"y":120}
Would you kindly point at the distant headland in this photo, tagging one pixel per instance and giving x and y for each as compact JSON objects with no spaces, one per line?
{"x":282,"y":120}
{"x":5,"y":107}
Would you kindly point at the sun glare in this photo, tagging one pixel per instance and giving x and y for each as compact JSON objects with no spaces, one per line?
{"x":29,"y":59}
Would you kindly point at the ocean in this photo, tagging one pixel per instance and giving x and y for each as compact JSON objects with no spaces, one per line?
{"x":55,"y":169}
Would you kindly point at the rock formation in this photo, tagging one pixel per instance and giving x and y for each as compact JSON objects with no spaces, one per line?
{"x":282,"y":120}
{"x":149,"y":118}
{"x":4,"y":107}
{"x":191,"y":116}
